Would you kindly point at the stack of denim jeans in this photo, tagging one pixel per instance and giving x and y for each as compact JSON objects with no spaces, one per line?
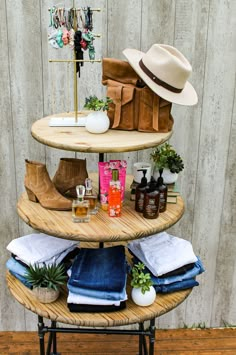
{"x":170,"y":260}
{"x":38,"y":249}
{"x":97,"y":281}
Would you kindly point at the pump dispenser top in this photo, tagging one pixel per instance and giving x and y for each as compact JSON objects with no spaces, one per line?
{"x":144,"y":179}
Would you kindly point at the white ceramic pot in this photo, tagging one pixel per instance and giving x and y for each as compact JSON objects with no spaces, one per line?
{"x":168,"y":176}
{"x":143,"y":299}
{"x":45,"y":295}
{"x":137,"y":171}
{"x":97,"y":122}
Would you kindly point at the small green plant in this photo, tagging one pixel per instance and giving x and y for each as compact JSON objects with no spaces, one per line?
{"x":49,"y":276}
{"x":165,"y":156}
{"x":93,"y":103}
{"x":140,"y":279}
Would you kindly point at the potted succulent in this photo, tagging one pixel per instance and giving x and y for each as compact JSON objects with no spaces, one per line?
{"x":46,"y":281}
{"x":167,"y":162}
{"x":143,"y":293}
{"x":97,"y":121}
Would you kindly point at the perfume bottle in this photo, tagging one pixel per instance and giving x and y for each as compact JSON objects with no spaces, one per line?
{"x":80,"y":207}
{"x":114,"y":195}
{"x":91,"y":196}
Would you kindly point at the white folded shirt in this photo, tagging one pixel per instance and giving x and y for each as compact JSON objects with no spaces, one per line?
{"x":163,"y":252}
{"x":41,"y":248}
{"x":80,"y":299}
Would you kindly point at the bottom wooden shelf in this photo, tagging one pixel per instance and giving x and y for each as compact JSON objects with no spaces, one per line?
{"x":58,"y":311}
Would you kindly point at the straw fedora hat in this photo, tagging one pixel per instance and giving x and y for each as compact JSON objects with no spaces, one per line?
{"x":165,"y":70}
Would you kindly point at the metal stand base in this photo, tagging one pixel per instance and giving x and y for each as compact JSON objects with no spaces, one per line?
{"x":68,"y":122}
{"x":53,"y":330}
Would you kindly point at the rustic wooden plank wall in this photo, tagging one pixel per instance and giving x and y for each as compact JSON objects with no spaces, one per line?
{"x":205,"y":135}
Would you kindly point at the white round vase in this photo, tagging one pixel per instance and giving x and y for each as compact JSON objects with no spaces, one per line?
{"x":143,"y":299}
{"x":97,"y":122}
{"x":168,"y":176}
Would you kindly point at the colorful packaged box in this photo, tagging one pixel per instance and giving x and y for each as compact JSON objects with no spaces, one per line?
{"x":105,"y":176}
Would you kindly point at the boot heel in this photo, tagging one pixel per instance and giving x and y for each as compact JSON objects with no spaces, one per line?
{"x":31,"y":195}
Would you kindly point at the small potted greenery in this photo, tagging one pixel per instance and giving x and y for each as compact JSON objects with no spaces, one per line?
{"x":143,"y":293}
{"x":46,"y":281}
{"x":97,"y":121}
{"x":168,"y":162}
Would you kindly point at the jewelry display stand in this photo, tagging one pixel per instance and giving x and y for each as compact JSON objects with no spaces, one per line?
{"x":79,"y":119}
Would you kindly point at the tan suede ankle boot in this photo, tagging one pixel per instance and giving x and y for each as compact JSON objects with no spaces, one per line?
{"x":70,"y":173}
{"x":40,"y":188}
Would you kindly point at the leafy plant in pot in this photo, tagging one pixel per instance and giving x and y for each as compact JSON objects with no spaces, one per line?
{"x":167,"y":161}
{"x":46,"y":281}
{"x":143,"y":293}
{"x":97,"y":121}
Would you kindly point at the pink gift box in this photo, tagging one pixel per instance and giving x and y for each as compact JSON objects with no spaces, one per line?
{"x":105,"y":176}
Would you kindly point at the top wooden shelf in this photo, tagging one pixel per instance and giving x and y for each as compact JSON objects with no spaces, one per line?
{"x":78,"y":139}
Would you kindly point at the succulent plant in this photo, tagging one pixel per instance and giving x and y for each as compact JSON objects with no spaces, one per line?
{"x":93,"y":103}
{"x":50,"y":276}
{"x":165,"y":156}
{"x":140,"y":279}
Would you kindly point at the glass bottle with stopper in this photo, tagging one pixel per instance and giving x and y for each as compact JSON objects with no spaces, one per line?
{"x":91,"y":197}
{"x":80,"y":206}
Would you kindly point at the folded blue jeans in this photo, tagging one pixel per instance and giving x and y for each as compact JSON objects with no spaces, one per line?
{"x":176,"y":286}
{"x":196,"y":270}
{"x":14,"y":266}
{"x":22,"y":279}
{"x":98,"y":272}
{"x":105,"y":294}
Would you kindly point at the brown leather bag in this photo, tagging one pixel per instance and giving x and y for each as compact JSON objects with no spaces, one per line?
{"x":134,"y":106}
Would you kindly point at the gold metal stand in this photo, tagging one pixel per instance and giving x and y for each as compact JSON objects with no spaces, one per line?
{"x":74,"y":61}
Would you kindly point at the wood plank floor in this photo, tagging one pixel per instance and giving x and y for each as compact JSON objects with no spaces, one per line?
{"x":176,"y":342}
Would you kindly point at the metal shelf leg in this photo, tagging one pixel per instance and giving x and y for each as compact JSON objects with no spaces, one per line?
{"x":140,"y":339}
{"x":152,"y":336}
{"x":41,"y":335}
{"x":52,"y":341}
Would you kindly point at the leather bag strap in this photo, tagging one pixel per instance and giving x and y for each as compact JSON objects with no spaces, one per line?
{"x":155,"y":112}
{"x":116,"y":97}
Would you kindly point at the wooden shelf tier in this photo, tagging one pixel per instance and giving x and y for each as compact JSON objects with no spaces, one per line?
{"x":58,"y":311}
{"x":101,"y":228}
{"x":78,"y":139}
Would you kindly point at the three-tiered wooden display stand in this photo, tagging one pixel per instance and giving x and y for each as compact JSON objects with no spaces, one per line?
{"x":131,"y":225}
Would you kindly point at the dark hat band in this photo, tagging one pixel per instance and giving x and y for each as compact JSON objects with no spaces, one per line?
{"x":156,"y":80}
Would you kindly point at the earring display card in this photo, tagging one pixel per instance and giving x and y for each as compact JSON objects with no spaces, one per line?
{"x":68,"y":121}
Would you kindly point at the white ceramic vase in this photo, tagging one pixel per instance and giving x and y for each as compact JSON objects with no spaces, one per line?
{"x":97,"y":122}
{"x":143,"y":299}
{"x":168,"y":176}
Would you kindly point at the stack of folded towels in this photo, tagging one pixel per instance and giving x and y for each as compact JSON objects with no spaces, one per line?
{"x":39,"y":249}
{"x":97,"y":280}
{"x":170,"y":261}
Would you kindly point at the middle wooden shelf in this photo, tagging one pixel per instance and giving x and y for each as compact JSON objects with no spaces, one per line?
{"x":101,"y":228}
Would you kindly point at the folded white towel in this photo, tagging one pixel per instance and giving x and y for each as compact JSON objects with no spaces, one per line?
{"x":163,"y":252}
{"x":79,"y":299}
{"x":41,"y":248}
